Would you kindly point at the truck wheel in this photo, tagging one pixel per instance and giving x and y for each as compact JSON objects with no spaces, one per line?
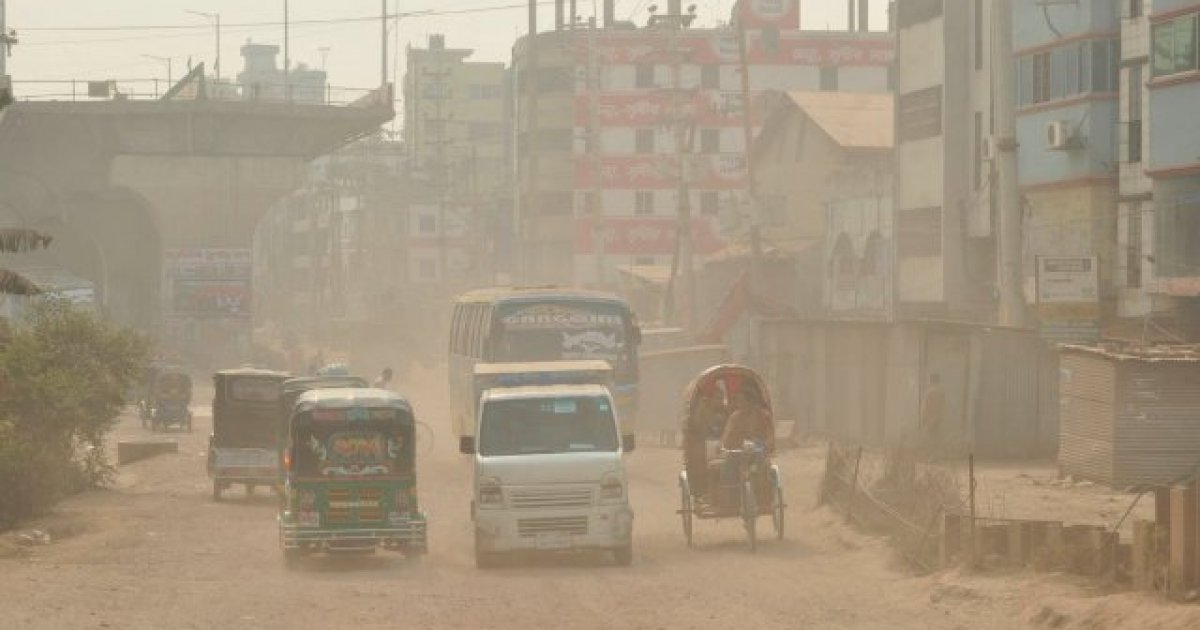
{"x":624,"y":555}
{"x":485,"y":559}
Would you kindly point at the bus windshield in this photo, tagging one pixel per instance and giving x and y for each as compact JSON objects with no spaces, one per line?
{"x":559,"y":331}
{"x":542,"y":426}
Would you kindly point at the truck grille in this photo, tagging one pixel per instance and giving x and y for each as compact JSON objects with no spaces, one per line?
{"x":551,"y":498}
{"x":552,"y":525}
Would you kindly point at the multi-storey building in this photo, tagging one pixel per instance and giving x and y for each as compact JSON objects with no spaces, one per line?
{"x":455,"y":115}
{"x":606,"y":116}
{"x":1172,"y":161}
{"x":1067,"y":89}
{"x":945,"y":232}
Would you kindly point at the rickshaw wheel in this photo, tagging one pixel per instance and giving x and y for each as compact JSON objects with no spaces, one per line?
{"x":750,"y":514}
{"x":685,"y":508}
{"x":777,"y":513}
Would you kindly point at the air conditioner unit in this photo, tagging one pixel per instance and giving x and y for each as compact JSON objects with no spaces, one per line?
{"x":1060,"y":135}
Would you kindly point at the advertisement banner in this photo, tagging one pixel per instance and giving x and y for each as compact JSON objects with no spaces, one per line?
{"x":1068,"y":280}
{"x":721,"y":47}
{"x":211,"y":298}
{"x":781,"y":14}
{"x":643,"y":236}
{"x":720,"y":171}
{"x":648,"y":108}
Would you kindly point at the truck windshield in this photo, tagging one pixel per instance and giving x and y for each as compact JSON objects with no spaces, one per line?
{"x":547,"y":426}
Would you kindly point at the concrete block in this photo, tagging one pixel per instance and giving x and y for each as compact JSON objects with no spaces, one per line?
{"x":128,"y":452}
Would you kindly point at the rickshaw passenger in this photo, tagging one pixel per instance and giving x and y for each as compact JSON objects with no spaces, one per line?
{"x":749,"y":422}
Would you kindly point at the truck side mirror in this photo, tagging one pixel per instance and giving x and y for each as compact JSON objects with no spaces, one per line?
{"x":628,"y":443}
{"x":466,"y":445}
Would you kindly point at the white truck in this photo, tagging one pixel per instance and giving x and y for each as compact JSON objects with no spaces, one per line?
{"x":549,"y":472}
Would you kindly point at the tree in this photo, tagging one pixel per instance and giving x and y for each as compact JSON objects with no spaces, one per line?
{"x":19,"y":241}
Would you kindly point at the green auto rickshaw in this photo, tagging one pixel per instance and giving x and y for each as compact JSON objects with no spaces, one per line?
{"x":350,"y":480}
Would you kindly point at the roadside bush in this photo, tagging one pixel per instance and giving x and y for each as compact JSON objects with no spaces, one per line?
{"x":65,"y":372}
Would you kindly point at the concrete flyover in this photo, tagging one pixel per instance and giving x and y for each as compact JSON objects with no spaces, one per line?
{"x":120,"y":182}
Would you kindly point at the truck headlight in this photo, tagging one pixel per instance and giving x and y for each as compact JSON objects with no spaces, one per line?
{"x":490,"y":492}
{"x":612,"y":488}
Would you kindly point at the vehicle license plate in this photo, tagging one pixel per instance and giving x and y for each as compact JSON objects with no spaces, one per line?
{"x":553,"y":540}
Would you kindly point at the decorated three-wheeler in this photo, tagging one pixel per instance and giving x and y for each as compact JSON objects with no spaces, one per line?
{"x":165,"y":398}
{"x":728,"y":441}
{"x":243,"y":448}
{"x":349,"y":471}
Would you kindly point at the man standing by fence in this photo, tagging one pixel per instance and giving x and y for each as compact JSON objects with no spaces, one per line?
{"x":933,"y":407}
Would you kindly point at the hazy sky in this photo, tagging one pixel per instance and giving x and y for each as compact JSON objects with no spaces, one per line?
{"x":353,"y":56}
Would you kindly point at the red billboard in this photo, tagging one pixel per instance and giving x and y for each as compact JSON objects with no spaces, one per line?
{"x":643,"y":236}
{"x":721,"y":47}
{"x":718,"y":171}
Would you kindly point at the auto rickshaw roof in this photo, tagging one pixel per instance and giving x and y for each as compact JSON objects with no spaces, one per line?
{"x":306,"y":383}
{"x":248,"y":371}
{"x":351,"y":397}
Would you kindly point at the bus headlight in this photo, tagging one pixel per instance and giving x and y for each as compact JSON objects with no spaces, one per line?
{"x":490,"y":492}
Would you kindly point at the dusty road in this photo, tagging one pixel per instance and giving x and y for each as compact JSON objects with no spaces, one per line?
{"x":156,"y":552}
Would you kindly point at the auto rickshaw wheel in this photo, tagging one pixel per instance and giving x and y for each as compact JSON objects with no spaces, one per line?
{"x":623,"y":555}
{"x":685,"y":508}
{"x":750,"y":514}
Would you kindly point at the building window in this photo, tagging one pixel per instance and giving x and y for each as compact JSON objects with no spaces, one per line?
{"x":710,"y":77}
{"x":645,"y":76}
{"x":555,"y":139}
{"x":709,"y":203}
{"x":643,"y":261}
{"x":1176,"y":232}
{"x":644,"y":140}
{"x":1068,"y":70}
{"x":770,"y":41}
{"x":919,"y":114}
{"x":912,"y":12}
{"x":1133,"y":246}
{"x":644,"y":202}
{"x":1133,"y":129}
{"x":829,"y":78}
{"x":427,"y":225}
{"x":977,"y":162}
{"x":1174,"y":44}
{"x":978,"y":34}
{"x":710,"y":140}
{"x":919,"y":233}
{"x":1135,"y":8}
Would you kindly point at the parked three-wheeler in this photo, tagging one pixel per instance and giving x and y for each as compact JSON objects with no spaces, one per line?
{"x":349,"y":470}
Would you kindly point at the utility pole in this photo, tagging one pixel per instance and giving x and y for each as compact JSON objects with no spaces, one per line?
{"x":287,"y":59}
{"x":1012,"y":295}
{"x":529,"y":209}
{"x":756,"y":271}
{"x":6,"y":41}
{"x":597,"y":209}
{"x":216,"y":18}
{"x":383,"y":40}
{"x":683,"y":125}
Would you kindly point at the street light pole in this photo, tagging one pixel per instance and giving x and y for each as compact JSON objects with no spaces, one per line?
{"x":216,"y":18}
{"x":166,"y":60}
{"x":287,"y":59}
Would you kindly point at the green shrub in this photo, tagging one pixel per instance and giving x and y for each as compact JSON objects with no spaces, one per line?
{"x":65,"y":373}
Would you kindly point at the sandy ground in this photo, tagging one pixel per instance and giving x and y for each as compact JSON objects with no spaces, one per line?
{"x":156,"y":552}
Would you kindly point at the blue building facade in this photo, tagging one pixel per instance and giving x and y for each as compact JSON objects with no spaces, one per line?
{"x":1173,"y":155}
{"x":1067,"y":58}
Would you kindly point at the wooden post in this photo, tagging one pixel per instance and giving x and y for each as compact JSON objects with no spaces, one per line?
{"x":1144,"y":555}
{"x":1182,"y":561}
{"x":853,"y":488}
{"x":974,"y":560}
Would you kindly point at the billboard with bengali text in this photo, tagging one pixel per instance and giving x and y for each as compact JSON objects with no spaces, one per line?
{"x":643,"y":236}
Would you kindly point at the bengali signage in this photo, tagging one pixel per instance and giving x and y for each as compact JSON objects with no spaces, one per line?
{"x":643,"y":236}
{"x":787,"y":47}
{"x":648,"y":108}
{"x":1068,"y":280}
{"x":719,"y":171}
